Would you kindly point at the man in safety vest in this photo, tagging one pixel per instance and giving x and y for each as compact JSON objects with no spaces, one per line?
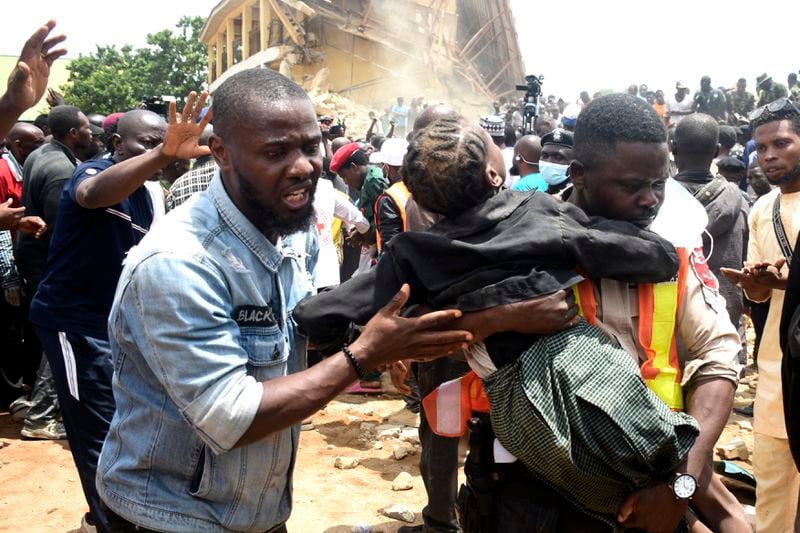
{"x":619,"y":172}
{"x":390,"y":207}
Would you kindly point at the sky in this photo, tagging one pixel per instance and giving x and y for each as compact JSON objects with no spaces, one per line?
{"x":576,"y":44}
{"x":592,"y":45}
{"x":87,"y":23}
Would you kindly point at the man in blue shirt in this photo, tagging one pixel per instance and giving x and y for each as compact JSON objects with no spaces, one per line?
{"x":104,"y":210}
{"x":400,"y":116}
{"x":526,"y":164}
{"x":210,"y":381}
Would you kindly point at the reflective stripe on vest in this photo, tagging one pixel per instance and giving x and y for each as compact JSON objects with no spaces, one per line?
{"x":400,"y":194}
{"x":659,"y":304}
{"x":451,"y":404}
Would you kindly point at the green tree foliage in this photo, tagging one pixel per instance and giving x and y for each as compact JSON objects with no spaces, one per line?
{"x":110,"y":80}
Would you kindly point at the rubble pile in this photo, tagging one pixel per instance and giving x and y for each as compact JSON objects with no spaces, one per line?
{"x":326,"y":103}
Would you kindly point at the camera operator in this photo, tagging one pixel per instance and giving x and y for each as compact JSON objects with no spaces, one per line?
{"x":530,"y":108}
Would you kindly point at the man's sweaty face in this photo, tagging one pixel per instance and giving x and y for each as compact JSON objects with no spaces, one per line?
{"x":270,"y":165}
{"x":628,"y":184}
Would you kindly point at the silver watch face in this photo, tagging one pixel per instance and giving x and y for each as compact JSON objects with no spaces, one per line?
{"x":684,"y":486}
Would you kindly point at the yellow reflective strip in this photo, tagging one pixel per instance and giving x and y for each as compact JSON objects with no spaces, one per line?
{"x":577,"y":295}
{"x":665,"y":303}
{"x":667,"y":390}
{"x":665,"y":309}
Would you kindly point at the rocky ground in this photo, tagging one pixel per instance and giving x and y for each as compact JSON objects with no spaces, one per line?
{"x":357,"y":466}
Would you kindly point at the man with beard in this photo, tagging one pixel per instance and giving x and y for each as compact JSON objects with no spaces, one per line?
{"x":104,"y":210}
{"x":210,"y":382}
{"x":773,"y":226}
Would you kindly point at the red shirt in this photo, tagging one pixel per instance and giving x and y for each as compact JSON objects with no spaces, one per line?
{"x":10,"y":183}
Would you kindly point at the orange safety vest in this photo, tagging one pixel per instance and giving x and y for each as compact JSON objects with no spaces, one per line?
{"x":450,"y":406}
{"x":659,"y":304}
{"x":400,"y":194}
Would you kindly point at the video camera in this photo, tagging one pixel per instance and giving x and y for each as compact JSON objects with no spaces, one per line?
{"x":530,"y":109}
{"x":157,"y":104}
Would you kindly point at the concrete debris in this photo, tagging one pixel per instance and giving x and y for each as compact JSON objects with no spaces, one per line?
{"x":399,"y":511}
{"x":388,"y":431}
{"x":377,"y":445}
{"x":741,"y":401}
{"x":400,"y":453}
{"x":410,"y":435}
{"x":346,"y":463}
{"x":326,"y":103}
{"x":745,"y":425}
{"x":367,"y":426}
{"x":403,"y":481}
{"x":735,"y":449}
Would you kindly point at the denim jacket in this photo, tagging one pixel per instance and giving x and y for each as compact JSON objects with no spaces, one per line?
{"x":201,"y":316}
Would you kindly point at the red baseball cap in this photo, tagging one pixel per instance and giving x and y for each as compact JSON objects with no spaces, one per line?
{"x":342,"y":155}
{"x":111,"y":119}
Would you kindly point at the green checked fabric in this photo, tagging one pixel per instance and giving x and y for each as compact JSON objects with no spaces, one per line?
{"x":574,"y":409}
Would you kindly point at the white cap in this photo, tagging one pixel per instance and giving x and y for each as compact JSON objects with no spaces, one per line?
{"x":393,"y":151}
{"x":376,"y":158}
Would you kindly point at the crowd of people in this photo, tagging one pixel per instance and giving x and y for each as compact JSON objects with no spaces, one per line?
{"x":181,"y":292}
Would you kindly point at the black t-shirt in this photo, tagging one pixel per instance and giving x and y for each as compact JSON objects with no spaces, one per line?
{"x":86,"y":254}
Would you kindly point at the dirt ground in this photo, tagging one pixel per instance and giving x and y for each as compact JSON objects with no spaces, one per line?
{"x":41,"y":491}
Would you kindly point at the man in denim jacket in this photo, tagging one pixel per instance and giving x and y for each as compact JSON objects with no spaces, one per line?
{"x":209,"y":370}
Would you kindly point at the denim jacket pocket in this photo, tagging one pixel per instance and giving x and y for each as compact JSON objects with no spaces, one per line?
{"x":245,"y":486}
{"x":267,"y":352}
{"x":200,"y":485}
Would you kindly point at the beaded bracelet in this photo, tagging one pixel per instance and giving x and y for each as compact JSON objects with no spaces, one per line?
{"x":353,"y":361}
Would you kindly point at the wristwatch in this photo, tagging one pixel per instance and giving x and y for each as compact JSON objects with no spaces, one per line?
{"x":683,"y":486}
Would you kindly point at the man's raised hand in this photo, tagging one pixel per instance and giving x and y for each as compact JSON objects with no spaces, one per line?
{"x":182,"y":135}
{"x":28,"y":81}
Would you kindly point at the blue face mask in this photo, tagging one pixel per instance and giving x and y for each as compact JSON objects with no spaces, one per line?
{"x":553,"y":173}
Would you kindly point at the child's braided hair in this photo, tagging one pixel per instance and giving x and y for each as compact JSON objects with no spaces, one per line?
{"x":445,"y":167}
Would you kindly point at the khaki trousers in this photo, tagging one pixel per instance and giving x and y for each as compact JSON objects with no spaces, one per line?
{"x":777,"y":485}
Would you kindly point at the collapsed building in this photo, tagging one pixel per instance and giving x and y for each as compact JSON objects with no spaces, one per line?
{"x":350,"y":53}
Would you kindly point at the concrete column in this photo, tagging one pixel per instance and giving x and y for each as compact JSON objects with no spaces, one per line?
{"x":230,"y":33}
{"x":264,"y":16}
{"x":220,"y":67}
{"x":247,"y":21}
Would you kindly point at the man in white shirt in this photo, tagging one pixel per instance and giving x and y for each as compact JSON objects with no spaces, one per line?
{"x":774,"y":223}
{"x":679,"y":106}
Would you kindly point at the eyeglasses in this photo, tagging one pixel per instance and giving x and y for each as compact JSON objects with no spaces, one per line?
{"x":774,"y":107}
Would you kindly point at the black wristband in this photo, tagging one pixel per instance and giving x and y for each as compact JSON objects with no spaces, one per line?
{"x":353,"y":361}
